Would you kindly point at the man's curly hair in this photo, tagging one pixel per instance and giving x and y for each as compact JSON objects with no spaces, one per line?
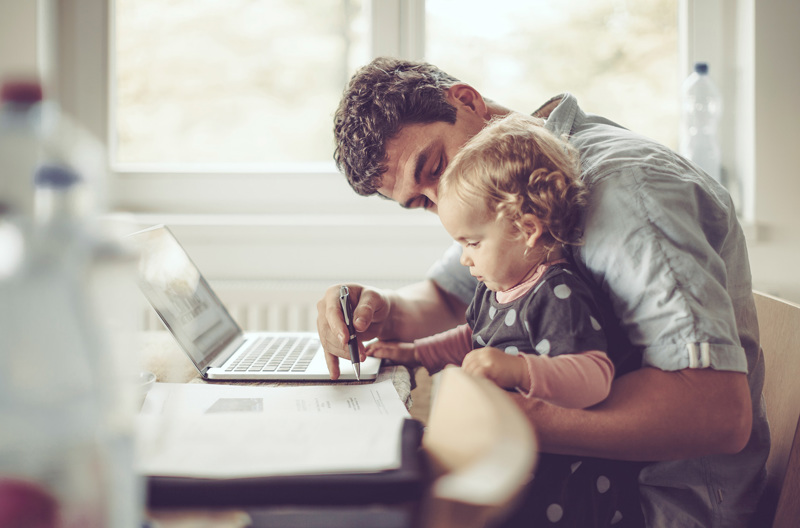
{"x":381,"y":98}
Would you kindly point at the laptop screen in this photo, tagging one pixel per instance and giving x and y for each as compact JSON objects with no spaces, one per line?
{"x":183,"y":299}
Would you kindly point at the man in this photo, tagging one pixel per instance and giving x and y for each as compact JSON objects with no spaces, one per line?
{"x":662,"y":244}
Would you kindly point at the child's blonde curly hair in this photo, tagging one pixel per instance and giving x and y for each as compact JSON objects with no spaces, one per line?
{"x":515,"y":166}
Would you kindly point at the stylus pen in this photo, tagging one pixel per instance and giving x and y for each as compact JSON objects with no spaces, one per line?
{"x":347,"y":311}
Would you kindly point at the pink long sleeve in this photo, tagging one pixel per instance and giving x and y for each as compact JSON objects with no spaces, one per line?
{"x":449,"y":347}
{"x":570,"y":380}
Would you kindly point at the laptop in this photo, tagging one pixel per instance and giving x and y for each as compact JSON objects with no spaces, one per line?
{"x":205,"y":330}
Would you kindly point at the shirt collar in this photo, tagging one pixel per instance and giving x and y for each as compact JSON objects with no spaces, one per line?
{"x":562,"y":118}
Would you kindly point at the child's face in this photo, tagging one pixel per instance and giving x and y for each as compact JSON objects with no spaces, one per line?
{"x":494,"y":250}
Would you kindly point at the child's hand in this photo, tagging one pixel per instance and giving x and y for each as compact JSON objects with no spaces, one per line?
{"x":398,"y":352}
{"x":505,"y":370}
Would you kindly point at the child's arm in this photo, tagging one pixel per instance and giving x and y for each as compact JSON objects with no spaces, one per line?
{"x":446,"y":348}
{"x":433,"y":352}
{"x":568,"y":380}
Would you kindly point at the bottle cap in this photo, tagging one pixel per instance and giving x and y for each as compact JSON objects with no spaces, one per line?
{"x":701,"y":68}
{"x":25,"y":92}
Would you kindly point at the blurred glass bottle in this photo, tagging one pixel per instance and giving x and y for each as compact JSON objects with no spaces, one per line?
{"x":20,"y":118}
{"x":19,"y":152}
{"x":66,"y":403}
{"x":702,"y":109}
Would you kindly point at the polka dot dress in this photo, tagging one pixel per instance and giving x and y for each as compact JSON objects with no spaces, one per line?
{"x":581,"y":493}
{"x":559,"y":316}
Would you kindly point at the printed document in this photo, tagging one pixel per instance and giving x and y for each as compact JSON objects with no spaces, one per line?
{"x":234,"y":431}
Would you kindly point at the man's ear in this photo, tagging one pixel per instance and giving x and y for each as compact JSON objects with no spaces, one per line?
{"x":532,"y":229}
{"x":468,"y":97}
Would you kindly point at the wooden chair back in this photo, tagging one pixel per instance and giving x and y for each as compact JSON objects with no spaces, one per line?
{"x":779,"y":329}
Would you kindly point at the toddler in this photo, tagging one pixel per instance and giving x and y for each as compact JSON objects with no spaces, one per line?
{"x":512,"y":199}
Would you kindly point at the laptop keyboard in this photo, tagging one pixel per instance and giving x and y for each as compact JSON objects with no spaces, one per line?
{"x":276,"y":354}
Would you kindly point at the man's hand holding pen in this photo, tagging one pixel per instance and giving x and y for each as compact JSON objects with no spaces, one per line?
{"x":370,"y":310}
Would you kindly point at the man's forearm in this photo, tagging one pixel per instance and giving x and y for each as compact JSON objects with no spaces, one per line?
{"x":651,"y":415}
{"x":421,"y":310}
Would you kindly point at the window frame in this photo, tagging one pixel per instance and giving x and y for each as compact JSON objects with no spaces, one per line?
{"x":76,"y":65}
{"x":398,"y":28}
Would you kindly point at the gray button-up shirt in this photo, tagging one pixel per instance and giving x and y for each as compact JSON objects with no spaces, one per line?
{"x":663,"y":242}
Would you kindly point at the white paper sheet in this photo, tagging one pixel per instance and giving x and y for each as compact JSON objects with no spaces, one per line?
{"x":229,"y":431}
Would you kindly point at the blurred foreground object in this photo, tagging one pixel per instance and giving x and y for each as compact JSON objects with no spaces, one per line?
{"x":482,"y":450}
{"x":67,"y":392}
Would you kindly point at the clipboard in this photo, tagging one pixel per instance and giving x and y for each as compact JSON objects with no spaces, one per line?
{"x":403,"y":485}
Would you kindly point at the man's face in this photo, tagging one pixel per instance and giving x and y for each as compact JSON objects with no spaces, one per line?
{"x":418,"y":155}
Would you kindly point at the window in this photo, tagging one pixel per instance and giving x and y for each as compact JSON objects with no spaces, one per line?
{"x":224,"y":142}
{"x":230,"y":83}
{"x":242,"y":83}
{"x":616,"y":56}
{"x":253,"y":202}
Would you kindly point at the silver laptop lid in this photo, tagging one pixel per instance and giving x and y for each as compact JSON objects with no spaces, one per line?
{"x":180,"y":295}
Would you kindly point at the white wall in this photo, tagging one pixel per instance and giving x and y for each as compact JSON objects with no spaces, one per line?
{"x":775,"y":246}
{"x":17,"y":37}
{"x":775,"y":255}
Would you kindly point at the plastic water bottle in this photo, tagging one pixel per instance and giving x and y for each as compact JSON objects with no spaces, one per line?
{"x":702,"y":108}
{"x":66,"y":439}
